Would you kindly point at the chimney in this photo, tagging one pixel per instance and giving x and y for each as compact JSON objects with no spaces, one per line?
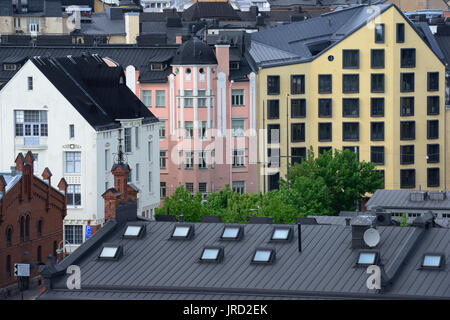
{"x":29,"y":159}
{"x":179,"y":39}
{"x":359,"y":226}
{"x":223,"y":56}
{"x":20,"y":161}
{"x":120,"y":173}
{"x":47,"y":175}
{"x":131,"y":27}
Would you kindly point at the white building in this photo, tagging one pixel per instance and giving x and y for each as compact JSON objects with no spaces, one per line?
{"x":69,"y":112}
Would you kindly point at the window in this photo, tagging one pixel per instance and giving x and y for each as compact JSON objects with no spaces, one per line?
{"x":350,"y":83}
{"x":377,"y":155}
{"x":433,"y":177}
{"x":400,"y":32}
{"x":202,"y":159}
{"x":188,"y":100}
{"x":147,"y":97}
{"x":33,"y":25}
{"x":234,"y":65}
{"x":350,"y":107}
{"x":74,"y":195}
{"x":203,"y":187}
{"x":407,"y":82}
{"x":432,"y":129}
{"x":22,"y":228}
{"x":273,"y":133}
{"x":9,"y":237}
{"x":160,"y":98}
{"x":110,"y":252}
{"x":381,"y":172}
{"x":30,"y":83}
{"x":162,"y":130}
{"x":213,"y":157}
{"x":137,"y":172}
{"x":377,"y":107}
{"x":188,"y":129}
{"x":407,"y":130}
{"x":237,"y":97}
{"x":350,"y":131}
{"x":367,"y":258}
{"x":162,"y":190}
{"x":407,"y":154}
{"x":433,"y":153}
{"x":238,"y":158}
{"x":377,"y":83}
{"x":297,"y":84}
{"x":407,"y":178}
{"x":281,"y":234}
{"x":39,"y":254}
{"x":325,"y":108}
{"x":188,"y":159}
{"x":27,"y":228}
{"x":377,"y":131}
{"x":273,"y":109}
{"x":266,"y":256}
{"x":433,"y":105}
{"x":39,"y":228}
{"x":201,"y":100}
{"x":377,"y":58}
{"x":298,"y":108}
{"x":127,"y":136}
{"x":232,"y":233}
{"x":325,"y":83}
{"x":379,"y":33}
{"x":162,"y":159}
{"x":350,"y":59}
{"x":324,"y":149}
{"x":182,"y":232}
{"x":239,"y":187}
{"x":297,"y":155}
{"x":36,"y":163}
{"x":71,"y":131}
{"x":406,"y":106}
{"x":72,"y":162}
{"x":134,"y":231}
{"x":354,"y":149}
{"x":273,"y":85}
{"x":433,"y":81}
{"x":433,"y":261}
{"x":273,"y":156}
{"x":212,"y":254}
{"x":9,"y":67}
{"x":237,"y":128}
{"x":202,"y":130}
{"x":189,"y":186}
{"x":8,"y":266}
{"x":297,"y":132}
{"x":31,"y":123}
{"x":150,"y":151}
{"x":73,"y":234}
{"x":325,"y":131}
{"x":408,"y":58}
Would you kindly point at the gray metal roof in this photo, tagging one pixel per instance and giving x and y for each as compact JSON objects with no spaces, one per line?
{"x":156,"y":267}
{"x":400,"y":199}
{"x":101,"y":24}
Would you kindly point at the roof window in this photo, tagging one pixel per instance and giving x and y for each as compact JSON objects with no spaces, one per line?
{"x":264,"y":256}
{"x":433,"y":261}
{"x":212,"y":254}
{"x":281,"y":234}
{"x":232,"y":233}
{"x":183,"y":232}
{"x":134,"y":231}
{"x":367,"y":258}
{"x":110,"y":252}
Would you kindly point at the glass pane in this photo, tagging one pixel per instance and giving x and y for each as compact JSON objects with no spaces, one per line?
{"x":108,"y":252}
{"x":280,"y":234}
{"x":132,"y":231}
{"x":432,"y":261}
{"x":366,"y":258}
{"x":181,"y":232}
{"x":262,"y":256}
{"x":210,"y":254}
{"x":230,"y":233}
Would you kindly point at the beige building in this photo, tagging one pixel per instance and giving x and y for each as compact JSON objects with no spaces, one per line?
{"x":414,"y":5}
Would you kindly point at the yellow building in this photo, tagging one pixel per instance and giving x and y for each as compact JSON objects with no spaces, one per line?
{"x":361,"y":78}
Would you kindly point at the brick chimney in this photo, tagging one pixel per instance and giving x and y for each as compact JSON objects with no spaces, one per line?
{"x":223,"y":56}
{"x":29,"y":159}
{"x":120,"y":173}
{"x":47,"y":175}
{"x":20,"y":161}
{"x":178,"y":39}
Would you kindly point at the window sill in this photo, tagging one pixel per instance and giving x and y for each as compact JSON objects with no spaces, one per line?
{"x":350,"y":139}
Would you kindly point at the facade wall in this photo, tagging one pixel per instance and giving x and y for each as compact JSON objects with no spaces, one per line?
{"x":51,"y":150}
{"x":414,"y":5}
{"x":426,"y":61}
{"x":47,"y":25}
{"x":36,"y":208}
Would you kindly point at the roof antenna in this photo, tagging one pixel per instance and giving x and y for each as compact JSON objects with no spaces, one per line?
{"x":120,"y":156}
{"x":181,"y":218}
{"x":299,"y":237}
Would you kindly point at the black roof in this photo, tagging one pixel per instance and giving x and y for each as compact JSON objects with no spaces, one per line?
{"x":194,"y":51}
{"x":210,"y":10}
{"x":158,"y":267}
{"x":97,"y":91}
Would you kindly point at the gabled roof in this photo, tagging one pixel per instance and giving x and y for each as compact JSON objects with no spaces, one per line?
{"x":155,"y":267}
{"x":400,"y":199}
{"x":98,"y":92}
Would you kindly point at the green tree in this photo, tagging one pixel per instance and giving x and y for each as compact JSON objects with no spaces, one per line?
{"x":331,"y":182}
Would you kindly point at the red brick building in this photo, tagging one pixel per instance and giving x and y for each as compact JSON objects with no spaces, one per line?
{"x":31,"y":218}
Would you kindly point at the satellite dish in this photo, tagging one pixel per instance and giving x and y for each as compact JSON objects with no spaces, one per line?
{"x":371,"y":237}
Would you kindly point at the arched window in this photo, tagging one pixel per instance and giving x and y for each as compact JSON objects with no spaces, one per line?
{"x":9,"y":237}
{"x":8,"y":266}
{"x":39,"y":227}
{"x":55,"y":246}
{"x":22,"y":227}
{"x":27,"y":228}
{"x":39,"y":254}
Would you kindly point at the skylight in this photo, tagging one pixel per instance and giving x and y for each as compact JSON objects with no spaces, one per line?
{"x":182,"y":232}
{"x":110,"y":252}
{"x":231,"y":233}
{"x":367,"y":258}
{"x":281,"y":234}
{"x":212,"y":254}
{"x":133,"y":231}
{"x":263,"y":256}
{"x":432,"y":261}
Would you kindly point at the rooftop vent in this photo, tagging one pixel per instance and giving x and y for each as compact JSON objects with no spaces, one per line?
{"x":417,"y":196}
{"x":437,"y":195}
{"x":383,"y":218}
{"x":306,"y":221}
{"x":359,"y":226}
{"x":261,"y":220}
{"x":165,"y":217}
{"x":211,"y":219}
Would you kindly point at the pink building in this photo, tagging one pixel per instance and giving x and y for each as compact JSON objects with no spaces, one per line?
{"x":206,"y":99}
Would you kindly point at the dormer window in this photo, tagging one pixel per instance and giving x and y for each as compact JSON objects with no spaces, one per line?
{"x":157,"y":66}
{"x":234,"y":65}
